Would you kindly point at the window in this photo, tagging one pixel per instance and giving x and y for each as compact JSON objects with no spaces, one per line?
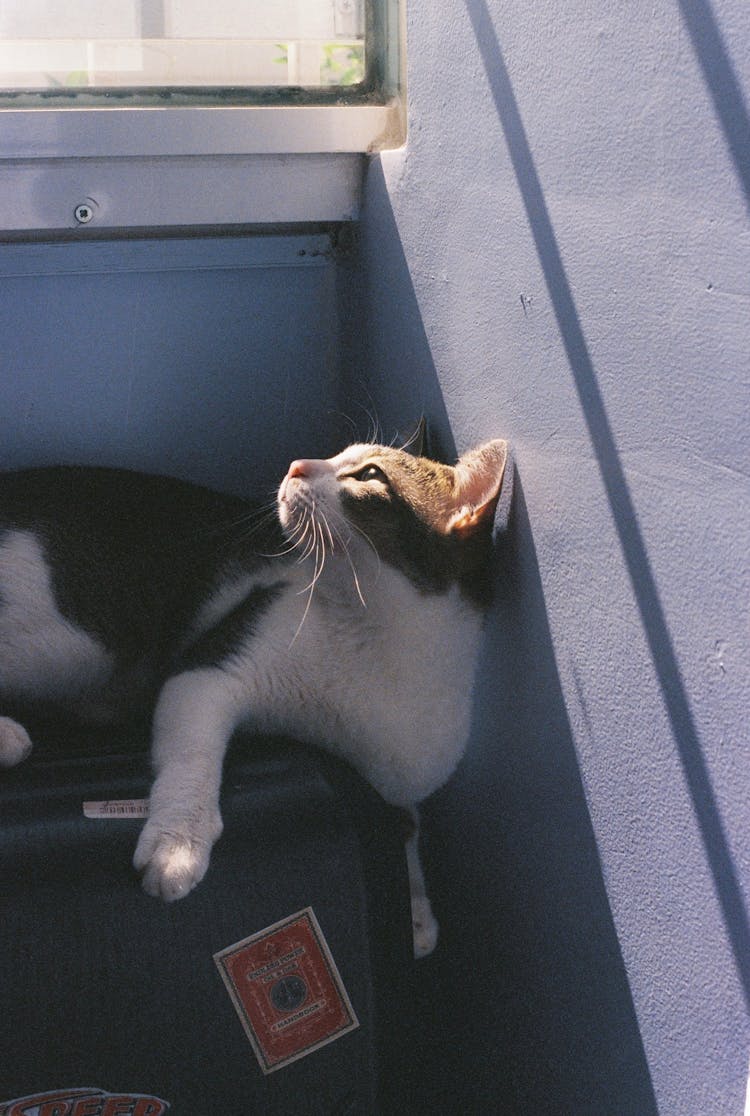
{"x":63,"y":48}
{"x":206,"y":111}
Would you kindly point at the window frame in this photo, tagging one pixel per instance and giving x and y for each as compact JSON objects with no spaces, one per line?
{"x":206,"y":159}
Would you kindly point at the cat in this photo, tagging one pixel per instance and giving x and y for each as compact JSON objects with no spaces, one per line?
{"x":347,"y":617}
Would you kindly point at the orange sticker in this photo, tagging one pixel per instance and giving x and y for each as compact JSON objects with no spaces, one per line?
{"x":287,"y":990}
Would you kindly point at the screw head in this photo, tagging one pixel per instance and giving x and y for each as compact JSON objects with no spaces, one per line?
{"x":83,"y":213}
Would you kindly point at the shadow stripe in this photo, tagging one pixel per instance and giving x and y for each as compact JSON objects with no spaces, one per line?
{"x":631,"y":541}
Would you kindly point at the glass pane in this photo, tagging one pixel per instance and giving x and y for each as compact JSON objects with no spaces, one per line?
{"x":68,"y":45}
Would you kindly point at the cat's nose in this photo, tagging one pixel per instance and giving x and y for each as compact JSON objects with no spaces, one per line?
{"x":306,"y":467}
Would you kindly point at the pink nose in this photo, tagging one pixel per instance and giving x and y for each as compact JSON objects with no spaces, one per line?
{"x":306,"y":467}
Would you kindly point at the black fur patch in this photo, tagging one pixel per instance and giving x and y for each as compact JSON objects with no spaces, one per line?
{"x":431,"y":559}
{"x":217,"y":645}
{"x":132,"y":556}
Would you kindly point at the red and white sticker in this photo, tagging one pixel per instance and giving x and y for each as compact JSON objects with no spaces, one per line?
{"x":84,"y":1102}
{"x":287,"y":990}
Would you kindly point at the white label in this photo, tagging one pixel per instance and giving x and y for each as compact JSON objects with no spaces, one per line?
{"x":117,"y":808}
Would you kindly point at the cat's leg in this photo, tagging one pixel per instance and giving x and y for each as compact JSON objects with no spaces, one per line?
{"x":15,"y":743}
{"x":194,"y":719}
{"x":424,"y":924}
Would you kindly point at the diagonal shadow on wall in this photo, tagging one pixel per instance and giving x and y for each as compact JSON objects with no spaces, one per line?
{"x":525,"y":1006}
{"x":722,"y":84}
{"x":631,"y":541}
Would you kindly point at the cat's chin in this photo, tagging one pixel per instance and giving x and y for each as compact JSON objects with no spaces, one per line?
{"x":311,"y":522}
{"x":295,"y":507}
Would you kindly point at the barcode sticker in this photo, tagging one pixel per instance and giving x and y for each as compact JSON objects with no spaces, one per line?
{"x":117,"y":808}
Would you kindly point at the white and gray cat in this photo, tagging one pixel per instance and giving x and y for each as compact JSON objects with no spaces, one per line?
{"x":349,"y":619}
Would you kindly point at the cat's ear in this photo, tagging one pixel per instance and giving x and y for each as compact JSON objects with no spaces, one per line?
{"x":479,"y":476}
{"x":414,"y":439}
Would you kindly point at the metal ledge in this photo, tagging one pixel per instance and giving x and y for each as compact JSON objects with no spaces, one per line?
{"x":44,"y":195}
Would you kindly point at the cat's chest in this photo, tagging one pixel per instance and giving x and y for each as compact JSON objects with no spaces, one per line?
{"x":388,"y":686}
{"x":397,"y":639}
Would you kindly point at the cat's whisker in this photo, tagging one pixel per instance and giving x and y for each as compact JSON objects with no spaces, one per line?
{"x":320,"y":557}
{"x":295,"y":539}
{"x":257,"y":518}
{"x":410,"y":441}
{"x":347,"y":418}
{"x":298,"y":532}
{"x":310,"y":545}
{"x":368,"y":540}
{"x":313,"y":546}
{"x":373,"y":426}
{"x":345,"y":549}
{"x":258,"y":523}
{"x":278,"y":553}
{"x":328,"y":529}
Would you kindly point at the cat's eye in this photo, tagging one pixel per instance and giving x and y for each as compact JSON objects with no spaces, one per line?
{"x":371,"y":473}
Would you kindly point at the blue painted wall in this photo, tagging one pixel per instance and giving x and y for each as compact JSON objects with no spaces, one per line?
{"x":561,"y":256}
{"x":212,"y":359}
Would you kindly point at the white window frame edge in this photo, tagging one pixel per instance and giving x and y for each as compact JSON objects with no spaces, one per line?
{"x":183,"y":166}
{"x":117,"y":132}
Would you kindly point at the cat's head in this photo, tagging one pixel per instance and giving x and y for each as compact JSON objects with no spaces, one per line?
{"x":431,"y":521}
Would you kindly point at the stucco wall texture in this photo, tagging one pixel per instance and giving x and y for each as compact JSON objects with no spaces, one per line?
{"x":561,"y":256}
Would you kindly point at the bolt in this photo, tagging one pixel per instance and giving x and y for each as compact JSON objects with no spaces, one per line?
{"x":83,"y":213}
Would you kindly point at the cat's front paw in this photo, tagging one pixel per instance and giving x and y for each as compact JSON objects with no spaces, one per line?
{"x":172,"y":862}
{"x":424,"y":926}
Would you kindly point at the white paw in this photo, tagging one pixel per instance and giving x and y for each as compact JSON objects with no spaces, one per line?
{"x":15,"y":743}
{"x":424,"y":926}
{"x":171,"y":859}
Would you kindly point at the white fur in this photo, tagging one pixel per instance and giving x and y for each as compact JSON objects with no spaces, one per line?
{"x":424,"y":924}
{"x":394,"y":666}
{"x":350,"y":681}
{"x":387,"y":687}
{"x":194,"y":719}
{"x":15,"y":742}
{"x":42,"y":655}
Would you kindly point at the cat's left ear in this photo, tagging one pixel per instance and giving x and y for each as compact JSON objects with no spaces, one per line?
{"x":479,"y":476}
